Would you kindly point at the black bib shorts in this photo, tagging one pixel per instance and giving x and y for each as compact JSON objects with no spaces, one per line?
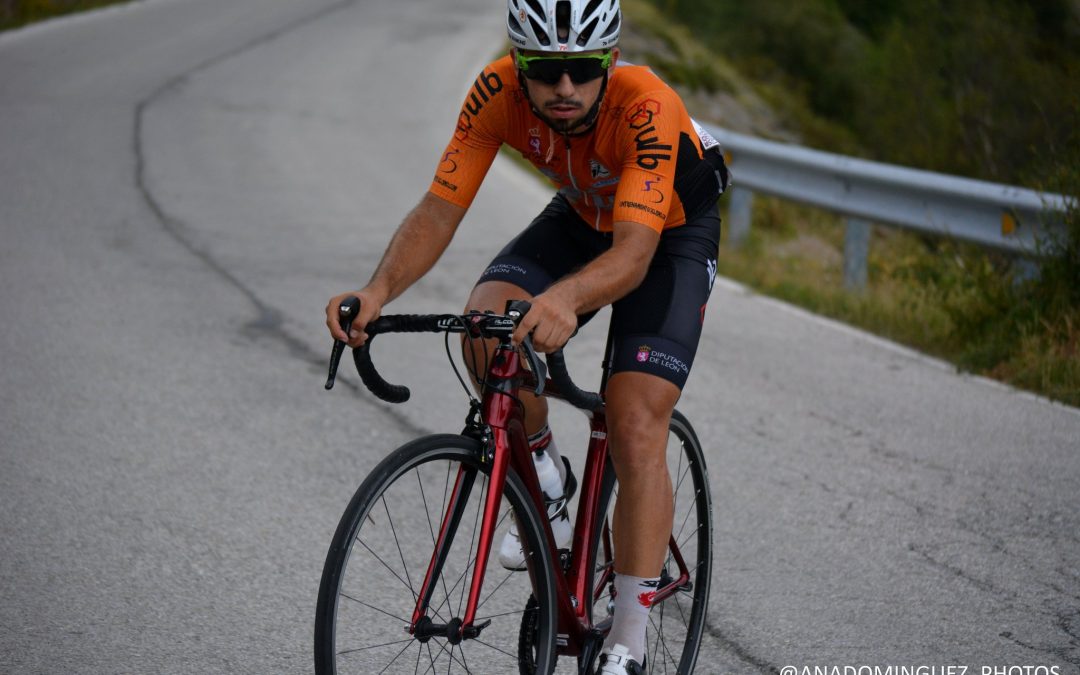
{"x":656,"y":327}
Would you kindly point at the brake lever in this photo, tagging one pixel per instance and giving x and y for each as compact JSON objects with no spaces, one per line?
{"x":536,"y":365}
{"x":347,"y":313}
{"x":516,"y":309}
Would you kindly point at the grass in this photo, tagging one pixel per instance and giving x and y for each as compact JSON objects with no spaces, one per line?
{"x":15,"y":13}
{"x":954,"y":301}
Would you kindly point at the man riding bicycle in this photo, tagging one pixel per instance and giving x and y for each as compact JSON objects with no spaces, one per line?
{"x":634,"y":224}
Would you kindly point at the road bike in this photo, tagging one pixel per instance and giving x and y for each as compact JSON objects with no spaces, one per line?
{"x":409,"y":584}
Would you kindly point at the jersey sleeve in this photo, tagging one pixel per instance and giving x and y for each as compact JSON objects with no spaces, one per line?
{"x":649,"y":137}
{"x":480,"y":131}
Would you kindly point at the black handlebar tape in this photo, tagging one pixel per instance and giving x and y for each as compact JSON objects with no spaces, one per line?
{"x":414,"y":323}
{"x":400,"y":323}
{"x":391,"y":393}
{"x":575,"y":396}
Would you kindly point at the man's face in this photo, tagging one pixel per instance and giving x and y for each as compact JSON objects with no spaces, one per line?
{"x":566,"y":102}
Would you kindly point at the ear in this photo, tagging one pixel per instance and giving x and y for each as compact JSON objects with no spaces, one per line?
{"x":615,"y":54}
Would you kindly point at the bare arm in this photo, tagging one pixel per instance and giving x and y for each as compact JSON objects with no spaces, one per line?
{"x":607,"y":278}
{"x":414,"y":249}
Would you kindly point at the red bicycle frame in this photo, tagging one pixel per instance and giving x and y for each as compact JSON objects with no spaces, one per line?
{"x":507,"y":447}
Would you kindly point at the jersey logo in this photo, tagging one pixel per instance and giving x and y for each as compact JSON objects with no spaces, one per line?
{"x":649,"y":188}
{"x":643,"y":114}
{"x":650,"y":150}
{"x":643,"y":353}
{"x":485,"y":87}
{"x":598,"y":170}
{"x":449,"y":165}
{"x":534,"y":141}
{"x":711,"y":266}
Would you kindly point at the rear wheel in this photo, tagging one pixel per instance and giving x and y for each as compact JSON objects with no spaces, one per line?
{"x":382,"y":551}
{"x":673,"y":637}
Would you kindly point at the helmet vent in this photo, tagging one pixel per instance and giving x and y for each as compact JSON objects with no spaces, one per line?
{"x":562,"y":19}
{"x":535,"y":6}
{"x":514,"y":25}
{"x":590,"y":8}
{"x":586,"y":33}
{"x":614,"y":27}
{"x":541,"y":34}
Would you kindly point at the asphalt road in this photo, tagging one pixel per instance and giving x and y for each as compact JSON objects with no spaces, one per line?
{"x":183,"y":184}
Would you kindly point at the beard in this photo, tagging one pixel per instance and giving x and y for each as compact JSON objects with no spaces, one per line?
{"x":563,"y":124}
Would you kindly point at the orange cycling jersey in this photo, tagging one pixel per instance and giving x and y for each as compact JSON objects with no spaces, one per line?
{"x":644,"y":160}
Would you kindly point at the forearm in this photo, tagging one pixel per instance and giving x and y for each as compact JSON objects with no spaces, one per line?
{"x":609,"y":276}
{"x":416,"y":246}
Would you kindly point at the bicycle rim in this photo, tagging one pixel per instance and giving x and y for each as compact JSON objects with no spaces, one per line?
{"x":673,"y":637}
{"x":381,"y":553}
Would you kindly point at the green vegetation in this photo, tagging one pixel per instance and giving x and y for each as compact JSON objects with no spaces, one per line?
{"x":15,"y":13}
{"x":980,"y":88}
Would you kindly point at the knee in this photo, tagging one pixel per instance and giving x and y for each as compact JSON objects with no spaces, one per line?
{"x":638,"y":440}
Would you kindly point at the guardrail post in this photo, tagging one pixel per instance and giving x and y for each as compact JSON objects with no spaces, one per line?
{"x":856,"y":248}
{"x":739,"y":212}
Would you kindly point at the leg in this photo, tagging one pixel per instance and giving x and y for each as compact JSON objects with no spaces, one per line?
{"x":493,"y":296}
{"x":655,"y":330}
{"x":639,"y":409}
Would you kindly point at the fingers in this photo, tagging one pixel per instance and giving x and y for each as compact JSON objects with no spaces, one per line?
{"x":369,"y":310}
{"x":551,"y":323}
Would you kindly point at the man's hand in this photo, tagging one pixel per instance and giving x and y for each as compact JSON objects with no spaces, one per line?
{"x":552,"y":321}
{"x":370,"y":309}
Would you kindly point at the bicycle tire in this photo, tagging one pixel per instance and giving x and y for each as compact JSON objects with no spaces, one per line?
{"x":691,"y":607}
{"x":353,"y":609}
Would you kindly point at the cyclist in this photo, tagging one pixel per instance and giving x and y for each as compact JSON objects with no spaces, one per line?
{"x":634,"y":224}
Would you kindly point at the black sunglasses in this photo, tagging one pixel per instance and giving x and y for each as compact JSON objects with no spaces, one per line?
{"x":581,"y":68}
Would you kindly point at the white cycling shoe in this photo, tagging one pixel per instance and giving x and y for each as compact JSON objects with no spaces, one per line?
{"x":618,"y":662}
{"x":511,"y":555}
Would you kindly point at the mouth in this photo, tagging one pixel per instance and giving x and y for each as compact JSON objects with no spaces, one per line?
{"x":563,"y":110}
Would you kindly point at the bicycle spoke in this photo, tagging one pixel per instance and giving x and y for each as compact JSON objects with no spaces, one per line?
{"x":375,"y":594}
{"x":685,"y":519}
{"x":381,"y":611}
{"x":465,"y":662}
{"x":391,"y":570}
{"x":394,"y":659}
{"x":490,"y":646}
{"x":471,"y":564}
{"x":693,"y":533}
{"x":683,"y":474}
{"x":678,"y":472}
{"x":662,"y":642}
{"x":401,"y":554}
{"x":369,"y":647}
{"x":480,"y":619}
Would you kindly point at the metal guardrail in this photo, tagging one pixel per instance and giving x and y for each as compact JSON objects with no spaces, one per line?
{"x":998,"y":216}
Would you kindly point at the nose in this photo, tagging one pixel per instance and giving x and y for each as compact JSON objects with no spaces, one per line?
{"x":565,"y":86}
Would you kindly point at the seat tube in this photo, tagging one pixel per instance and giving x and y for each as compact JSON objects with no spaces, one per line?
{"x":580,"y":576}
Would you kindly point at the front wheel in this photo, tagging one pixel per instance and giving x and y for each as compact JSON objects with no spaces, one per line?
{"x":383,"y":550}
{"x":673,"y":637}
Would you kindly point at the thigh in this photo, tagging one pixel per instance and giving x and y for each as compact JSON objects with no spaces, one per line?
{"x":556,"y":243}
{"x":656,"y":328}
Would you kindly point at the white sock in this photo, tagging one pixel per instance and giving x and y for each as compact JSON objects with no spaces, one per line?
{"x":633,"y":599}
{"x":543,"y":440}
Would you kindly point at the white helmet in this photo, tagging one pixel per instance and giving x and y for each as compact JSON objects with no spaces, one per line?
{"x":563,"y":25}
